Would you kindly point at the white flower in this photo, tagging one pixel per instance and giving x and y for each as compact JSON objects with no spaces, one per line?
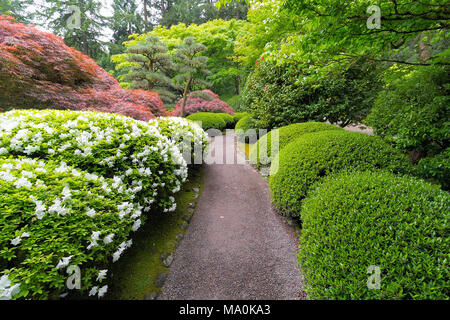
{"x":22,"y":182}
{"x":102,"y":291}
{"x":7,"y":292}
{"x":16,"y":241}
{"x":93,"y":291}
{"x":136,"y":225}
{"x":64,"y":262}
{"x":108,"y":238}
{"x":3,"y":151}
{"x":90,"y":212}
{"x":95,"y":235}
{"x":102,"y":274}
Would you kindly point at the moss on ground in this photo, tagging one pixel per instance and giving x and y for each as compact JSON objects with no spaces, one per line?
{"x":135,"y":274}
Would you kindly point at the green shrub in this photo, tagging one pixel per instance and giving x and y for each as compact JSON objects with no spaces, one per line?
{"x":399,"y":224}
{"x":276,"y":96}
{"x":108,"y":145}
{"x":261,"y":153}
{"x":229,"y":120}
{"x":51,"y":212}
{"x":208,"y":120}
{"x":235,"y":102}
{"x":413,"y":110}
{"x":246,"y":130}
{"x":239,"y":115}
{"x":436,"y":168}
{"x":316,"y":155}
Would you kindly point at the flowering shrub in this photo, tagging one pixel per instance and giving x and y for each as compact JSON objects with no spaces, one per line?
{"x":190,"y":138}
{"x":37,"y":70}
{"x":109,"y":145}
{"x":53,"y":216}
{"x":203,"y":101}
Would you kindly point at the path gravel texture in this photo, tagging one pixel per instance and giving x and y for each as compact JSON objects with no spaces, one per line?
{"x":236,"y":246}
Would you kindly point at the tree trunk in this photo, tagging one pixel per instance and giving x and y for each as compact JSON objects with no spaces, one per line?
{"x":145,"y":15}
{"x":238,"y":85}
{"x":423,"y":48}
{"x":186,"y":90}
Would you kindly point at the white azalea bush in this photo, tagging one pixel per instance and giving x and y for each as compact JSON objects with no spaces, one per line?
{"x":190,"y":138}
{"x":73,"y":188}
{"x":109,"y":145}
{"x":53,"y":216}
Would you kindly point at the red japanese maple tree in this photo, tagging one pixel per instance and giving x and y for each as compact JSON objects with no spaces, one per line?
{"x":203,"y":101}
{"x":37,"y":70}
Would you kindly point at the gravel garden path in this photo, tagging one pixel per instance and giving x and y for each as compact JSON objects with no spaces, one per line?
{"x":236,"y":246}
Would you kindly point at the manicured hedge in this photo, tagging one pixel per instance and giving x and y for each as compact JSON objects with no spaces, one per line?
{"x":239,"y":115}
{"x":261,"y":153}
{"x":208,"y":120}
{"x":316,"y":155}
{"x":399,"y":224}
{"x":229,"y":120}
{"x":53,"y":216}
{"x":108,"y":145}
{"x":246,"y":130}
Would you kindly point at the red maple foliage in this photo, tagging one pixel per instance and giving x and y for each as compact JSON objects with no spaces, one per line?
{"x":203,"y":101}
{"x":38,"y":70}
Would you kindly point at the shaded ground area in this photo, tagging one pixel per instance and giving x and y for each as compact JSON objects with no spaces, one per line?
{"x":236,"y":246}
{"x":141,"y":272}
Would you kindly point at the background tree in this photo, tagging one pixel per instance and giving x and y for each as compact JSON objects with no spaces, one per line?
{"x":56,"y":14}
{"x":150,"y":63}
{"x":192,"y":67}
{"x":17,"y":9}
{"x":219,"y":36}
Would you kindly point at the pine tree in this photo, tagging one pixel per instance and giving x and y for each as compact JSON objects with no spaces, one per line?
{"x":152,"y":65}
{"x":191,"y":67}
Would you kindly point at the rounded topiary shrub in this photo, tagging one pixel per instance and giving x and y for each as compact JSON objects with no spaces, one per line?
{"x":262,"y":154}
{"x":239,"y":115}
{"x":357,"y":220}
{"x":108,"y":145}
{"x":246,"y":130}
{"x":229,"y":120}
{"x":208,"y":120}
{"x":53,"y":216}
{"x":316,"y":155}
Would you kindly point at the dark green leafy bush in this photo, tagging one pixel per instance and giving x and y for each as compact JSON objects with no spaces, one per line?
{"x":276,"y":98}
{"x":235,"y":102}
{"x":261,"y":152}
{"x":208,"y":120}
{"x":316,"y":155}
{"x":246,"y":130}
{"x":412,"y":112}
{"x":399,"y":224}
{"x":436,"y":168}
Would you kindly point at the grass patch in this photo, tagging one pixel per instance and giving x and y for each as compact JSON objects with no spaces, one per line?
{"x":134,"y":275}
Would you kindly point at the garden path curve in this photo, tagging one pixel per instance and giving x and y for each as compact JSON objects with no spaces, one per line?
{"x":236,"y":246}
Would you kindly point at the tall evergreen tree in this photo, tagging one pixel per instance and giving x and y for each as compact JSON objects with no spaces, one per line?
{"x":152,"y":62}
{"x":61,"y":16}
{"x":126,"y":20}
{"x":191,"y":66}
